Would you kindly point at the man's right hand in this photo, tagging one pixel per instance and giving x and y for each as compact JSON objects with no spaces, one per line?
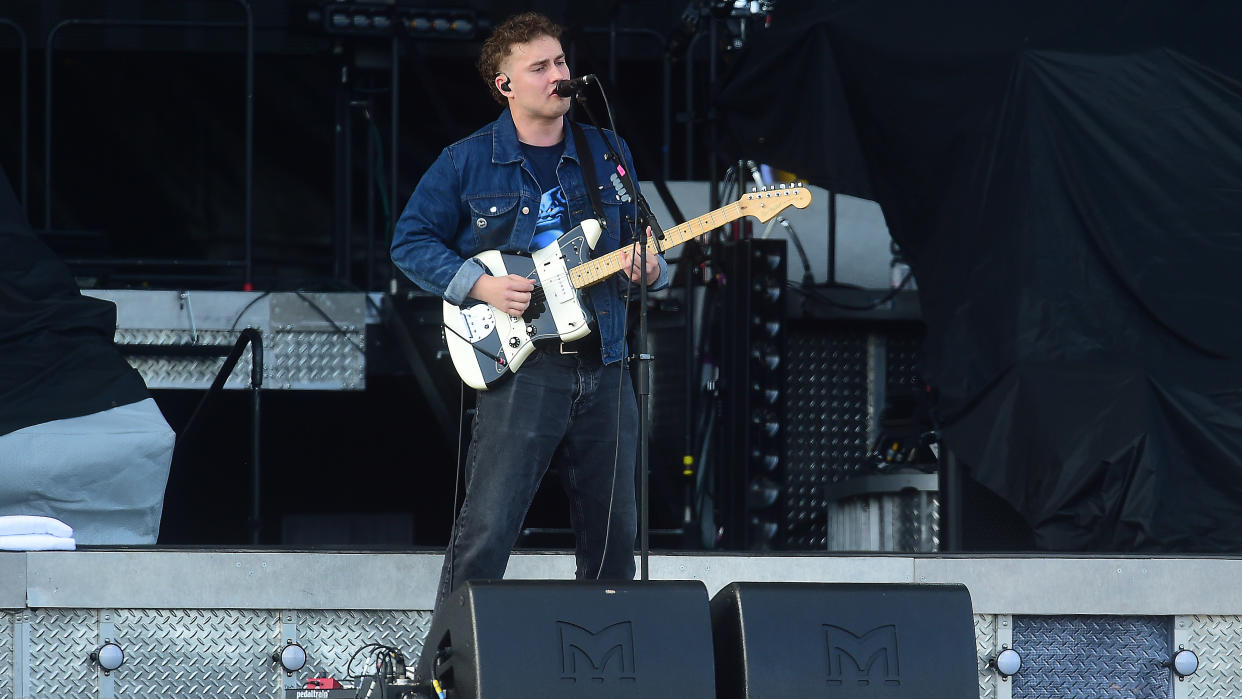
{"x":510,"y":294}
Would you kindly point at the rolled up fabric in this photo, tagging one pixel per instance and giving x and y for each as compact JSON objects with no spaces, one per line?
{"x":34,"y":524}
{"x":36,"y":542}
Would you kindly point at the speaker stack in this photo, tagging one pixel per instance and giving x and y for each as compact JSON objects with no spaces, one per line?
{"x":664,"y":639}
{"x":571,"y":640}
{"x":878,"y":641}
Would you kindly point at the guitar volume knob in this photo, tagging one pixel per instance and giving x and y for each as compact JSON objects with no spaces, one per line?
{"x":514,"y":342}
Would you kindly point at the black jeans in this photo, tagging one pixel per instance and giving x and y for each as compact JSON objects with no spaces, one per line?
{"x":563,"y":409}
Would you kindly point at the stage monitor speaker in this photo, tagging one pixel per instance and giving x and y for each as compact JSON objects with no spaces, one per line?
{"x":870,"y":641}
{"x":548,"y":639}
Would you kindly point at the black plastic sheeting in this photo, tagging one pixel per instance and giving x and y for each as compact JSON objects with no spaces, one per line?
{"x":1066,"y":179}
{"x":57,"y":357}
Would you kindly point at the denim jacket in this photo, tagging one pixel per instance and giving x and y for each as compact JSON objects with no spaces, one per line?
{"x":481,"y":195}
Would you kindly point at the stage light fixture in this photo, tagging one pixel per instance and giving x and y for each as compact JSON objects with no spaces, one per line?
{"x":763,"y":493}
{"x":370,"y":19}
{"x":770,"y":395}
{"x":291,"y":656}
{"x":109,"y":656}
{"x":1185,"y":663}
{"x":1007,"y":663}
{"x":762,"y":532}
{"x":765,"y":422}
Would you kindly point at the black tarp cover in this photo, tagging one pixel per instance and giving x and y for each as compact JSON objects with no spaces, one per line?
{"x":1066,"y":178}
{"x":57,"y":358}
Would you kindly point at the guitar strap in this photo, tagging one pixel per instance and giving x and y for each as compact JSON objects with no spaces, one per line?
{"x":623,"y":182}
{"x":587,"y":161}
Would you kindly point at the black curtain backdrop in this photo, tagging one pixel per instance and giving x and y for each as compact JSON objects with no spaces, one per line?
{"x":1066,"y":179}
{"x":57,"y":358}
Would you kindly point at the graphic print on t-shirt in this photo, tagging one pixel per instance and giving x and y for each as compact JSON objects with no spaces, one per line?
{"x":550,"y":224}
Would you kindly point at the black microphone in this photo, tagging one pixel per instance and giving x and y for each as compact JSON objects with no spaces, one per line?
{"x":570,"y":88}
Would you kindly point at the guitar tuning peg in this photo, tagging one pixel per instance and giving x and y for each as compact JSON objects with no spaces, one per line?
{"x":752,"y":189}
{"x":782,"y":185}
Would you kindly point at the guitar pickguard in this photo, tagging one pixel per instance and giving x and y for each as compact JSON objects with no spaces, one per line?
{"x":477,"y":321}
{"x":485,"y":343}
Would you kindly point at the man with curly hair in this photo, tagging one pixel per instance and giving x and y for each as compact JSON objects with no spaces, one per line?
{"x":515,"y":185}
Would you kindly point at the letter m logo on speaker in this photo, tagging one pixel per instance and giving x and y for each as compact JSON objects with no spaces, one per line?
{"x":607,"y":654}
{"x":869,"y":659}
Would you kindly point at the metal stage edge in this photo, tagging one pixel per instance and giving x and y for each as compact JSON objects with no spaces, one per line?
{"x":204,"y":622}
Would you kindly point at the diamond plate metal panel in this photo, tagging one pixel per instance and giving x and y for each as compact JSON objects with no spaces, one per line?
{"x":1217,"y":640}
{"x":7,"y":690}
{"x":330,"y":637}
{"x":183,"y":372}
{"x":315,"y":360}
{"x":844,"y":376}
{"x":904,"y":521}
{"x":195,"y":653}
{"x":292,"y":360}
{"x":1093,"y":657}
{"x":826,"y":418}
{"x":904,"y":356}
{"x":60,"y":641}
{"x":985,"y":648}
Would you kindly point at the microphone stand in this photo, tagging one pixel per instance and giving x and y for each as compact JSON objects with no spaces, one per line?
{"x":644,"y":402}
{"x":641,"y":354}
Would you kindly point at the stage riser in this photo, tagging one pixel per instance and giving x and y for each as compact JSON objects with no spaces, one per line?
{"x":1084,"y":627}
{"x":195,"y":653}
{"x":311,"y":341}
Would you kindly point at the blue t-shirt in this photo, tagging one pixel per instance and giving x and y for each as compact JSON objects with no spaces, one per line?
{"x":552,"y":211}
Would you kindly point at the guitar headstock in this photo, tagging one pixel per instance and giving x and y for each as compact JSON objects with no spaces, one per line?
{"x":767,"y":202}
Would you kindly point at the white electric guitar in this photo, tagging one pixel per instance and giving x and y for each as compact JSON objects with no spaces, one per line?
{"x":486,"y":343}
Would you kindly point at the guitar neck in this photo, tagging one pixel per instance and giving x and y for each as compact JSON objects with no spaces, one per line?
{"x":604,"y":266}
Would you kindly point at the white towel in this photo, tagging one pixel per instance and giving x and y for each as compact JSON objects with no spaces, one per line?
{"x":36,"y":542}
{"x":33,"y":524}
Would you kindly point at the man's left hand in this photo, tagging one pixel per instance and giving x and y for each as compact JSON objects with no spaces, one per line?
{"x":632,"y":271}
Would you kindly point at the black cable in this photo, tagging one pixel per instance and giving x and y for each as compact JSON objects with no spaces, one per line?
{"x":247,"y":307}
{"x":476,"y":348}
{"x":344,"y":333}
{"x":619,"y":160}
{"x":616,"y":452}
{"x":350,"y":663}
{"x":382,"y":663}
{"x":612,"y":124}
{"x":725,"y":194}
{"x":381,"y":180}
{"x":457,"y":478}
{"x":808,"y":277}
{"x":614,"y":154}
{"x":820,"y":295}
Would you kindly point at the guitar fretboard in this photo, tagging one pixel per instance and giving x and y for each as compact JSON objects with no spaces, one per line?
{"x":604,"y":266}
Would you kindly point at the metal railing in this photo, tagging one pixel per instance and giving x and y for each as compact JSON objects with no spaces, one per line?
{"x":254,"y":339}
{"x":247,"y":263}
{"x":23,"y":111}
